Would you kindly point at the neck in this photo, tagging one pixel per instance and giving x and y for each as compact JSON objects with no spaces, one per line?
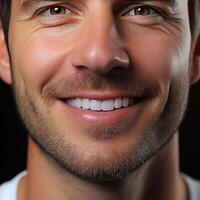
{"x":158,"y":178}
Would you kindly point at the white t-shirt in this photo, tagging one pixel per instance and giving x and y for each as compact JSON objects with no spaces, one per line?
{"x":8,"y":190}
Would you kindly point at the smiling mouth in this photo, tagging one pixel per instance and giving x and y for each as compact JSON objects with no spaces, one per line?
{"x":102,"y":105}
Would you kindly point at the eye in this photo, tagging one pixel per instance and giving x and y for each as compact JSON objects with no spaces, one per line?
{"x":56,"y":11}
{"x":143,"y":11}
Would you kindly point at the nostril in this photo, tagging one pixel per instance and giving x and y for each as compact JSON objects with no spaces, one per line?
{"x":81,"y":67}
{"x":117,"y":71}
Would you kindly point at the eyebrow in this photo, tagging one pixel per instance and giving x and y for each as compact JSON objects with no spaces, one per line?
{"x":28,"y":3}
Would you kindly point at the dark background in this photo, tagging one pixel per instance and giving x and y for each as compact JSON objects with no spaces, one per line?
{"x":13,"y":136}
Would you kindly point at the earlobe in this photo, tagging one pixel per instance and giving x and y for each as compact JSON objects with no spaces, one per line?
{"x":5,"y":70}
{"x":195,"y":73}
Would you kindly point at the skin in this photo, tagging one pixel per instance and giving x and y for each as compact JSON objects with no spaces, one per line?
{"x":121,"y":154}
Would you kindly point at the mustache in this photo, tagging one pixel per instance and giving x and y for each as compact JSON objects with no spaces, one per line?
{"x":126,"y":85}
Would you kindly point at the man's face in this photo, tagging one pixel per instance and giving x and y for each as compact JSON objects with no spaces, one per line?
{"x":100,"y":84}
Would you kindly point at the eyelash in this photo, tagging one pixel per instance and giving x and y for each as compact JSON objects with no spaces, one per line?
{"x":158,"y":11}
{"x":48,"y":7}
{"x":144,"y":7}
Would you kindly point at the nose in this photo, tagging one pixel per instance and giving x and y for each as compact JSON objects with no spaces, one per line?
{"x":100,"y":49}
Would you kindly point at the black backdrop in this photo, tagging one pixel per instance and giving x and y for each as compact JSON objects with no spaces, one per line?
{"x":13,"y":137}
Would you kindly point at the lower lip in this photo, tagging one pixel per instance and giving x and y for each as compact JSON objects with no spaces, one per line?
{"x":108,"y":117}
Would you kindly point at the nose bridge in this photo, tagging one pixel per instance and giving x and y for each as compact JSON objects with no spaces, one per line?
{"x":102,"y":41}
{"x":100,"y":48}
{"x":103,"y":33}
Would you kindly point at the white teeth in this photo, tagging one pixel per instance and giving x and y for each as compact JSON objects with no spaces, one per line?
{"x":78,"y":103}
{"x":96,"y":105}
{"x":125,"y":102}
{"x":86,"y":104}
{"x":118,"y":103}
{"x":107,"y":105}
{"x":71,"y":102}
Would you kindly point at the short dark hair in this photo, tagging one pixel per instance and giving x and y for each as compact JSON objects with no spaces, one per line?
{"x":5,"y":11}
{"x":193,"y":5}
{"x":194,"y":15}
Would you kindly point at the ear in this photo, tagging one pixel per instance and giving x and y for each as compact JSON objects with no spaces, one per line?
{"x":195,"y":73}
{"x":5,"y":70}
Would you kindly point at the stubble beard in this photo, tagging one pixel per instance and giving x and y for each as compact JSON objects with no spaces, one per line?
{"x":53,"y":142}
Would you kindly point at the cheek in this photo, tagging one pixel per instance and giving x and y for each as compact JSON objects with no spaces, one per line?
{"x":155,"y":56}
{"x":40,"y":59}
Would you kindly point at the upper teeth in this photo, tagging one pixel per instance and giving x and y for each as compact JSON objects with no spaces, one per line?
{"x":96,"y":105}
